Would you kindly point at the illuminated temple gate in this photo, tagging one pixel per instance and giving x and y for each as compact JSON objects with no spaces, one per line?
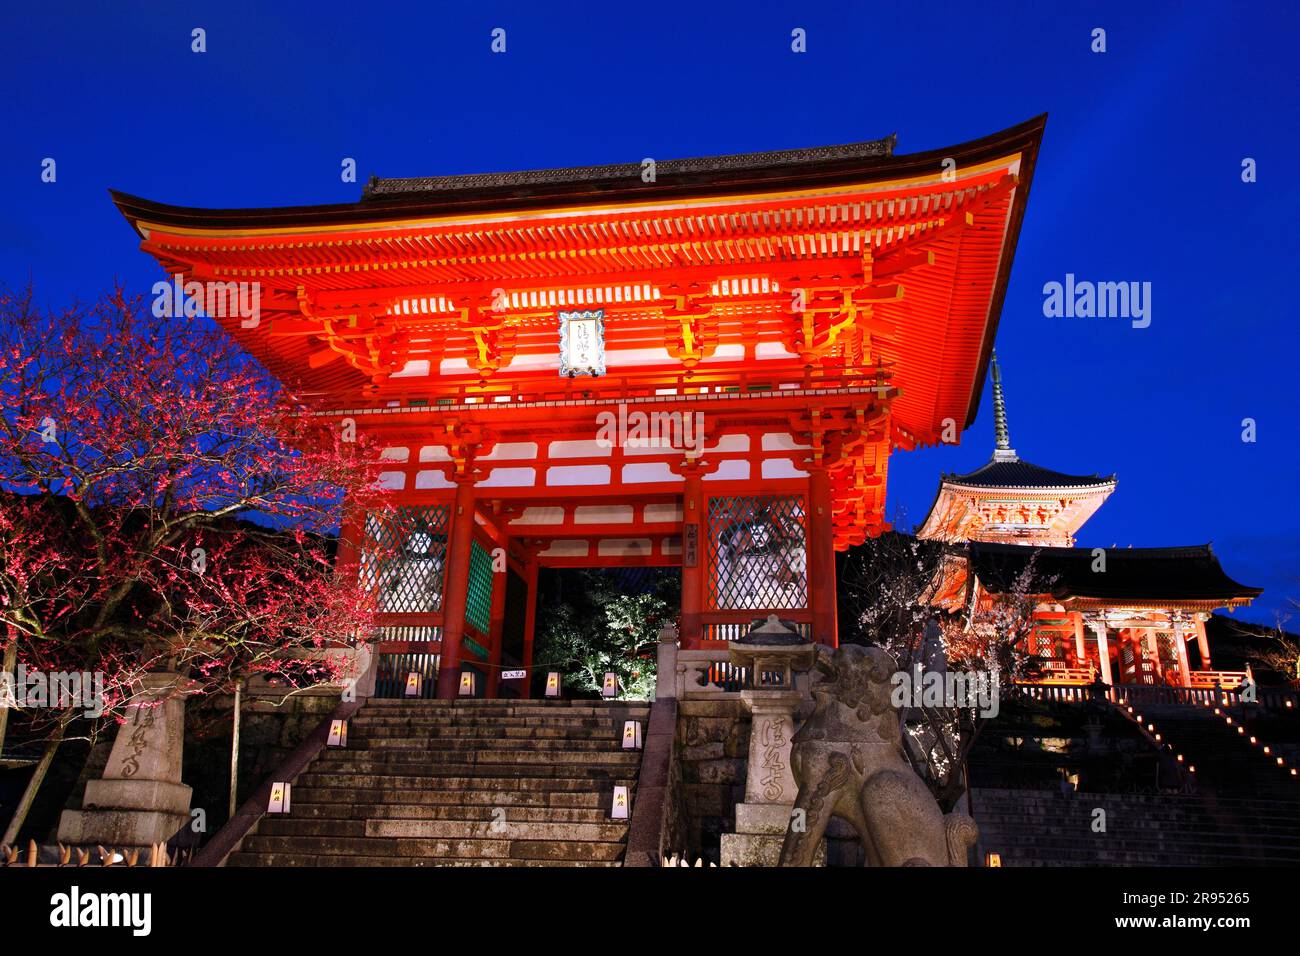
{"x":702,"y":364}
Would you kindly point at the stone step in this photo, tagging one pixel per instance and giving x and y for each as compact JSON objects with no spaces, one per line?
{"x":426,"y":783}
{"x":415,"y":799}
{"x":422,"y":848}
{"x":476,"y":719}
{"x":1112,"y":840}
{"x":608,"y":744}
{"x":302,"y":859}
{"x":451,"y":829}
{"x":1133,"y":817}
{"x":987,"y":795}
{"x":465,"y":763}
{"x":502,"y":709}
{"x":470,"y":764}
{"x":598,"y":730}
{"x":461,"y":780}
{"x":355,"y":808}
{"x":1139,"y":858}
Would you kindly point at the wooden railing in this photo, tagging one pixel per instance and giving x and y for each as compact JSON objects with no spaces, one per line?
{"x":1211,"y":679}
{"x":1062,"y":674}
{"x":723,"y":626}
{"x":394,"y":671}
{"x":532,"y":388}
{"x":1055,"y":692}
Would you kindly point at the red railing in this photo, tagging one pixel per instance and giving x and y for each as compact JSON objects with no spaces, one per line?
{"x":547,"y":386}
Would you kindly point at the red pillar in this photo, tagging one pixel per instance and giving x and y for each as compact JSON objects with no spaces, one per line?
{"x":1203,"y":645}
{"x":530,"y":620}
{"x":821,"y":558}
{"x":456,"y":589}
{"x":695,"y":532}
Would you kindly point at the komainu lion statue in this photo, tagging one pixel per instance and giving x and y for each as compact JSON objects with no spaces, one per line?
{"x":848,"y":761}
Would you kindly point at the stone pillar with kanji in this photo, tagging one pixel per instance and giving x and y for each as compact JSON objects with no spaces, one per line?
{"x":773,"y":653}
{"x":140,"y":800}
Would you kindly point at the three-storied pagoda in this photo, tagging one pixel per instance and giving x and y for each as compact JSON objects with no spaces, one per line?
{"x":761,"y":330}
{"x":1124,"y":614}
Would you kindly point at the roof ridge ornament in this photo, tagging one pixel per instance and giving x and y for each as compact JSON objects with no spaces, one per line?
{"x":1002,"y":449}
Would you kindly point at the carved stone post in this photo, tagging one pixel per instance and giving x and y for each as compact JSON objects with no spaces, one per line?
{"x":772,"y":653}
{"x":140,"y":800}
{"x":666,"y":664}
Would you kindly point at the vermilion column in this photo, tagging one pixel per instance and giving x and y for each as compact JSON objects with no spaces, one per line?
{"x":530,"y":620}
{"x":1103,"y":650}
{"x":694,"y":516}
{"x":456,"y":589}
{"x":1203,"y":643}
{"x":1180,"y":645}
{"x":821,"y":558}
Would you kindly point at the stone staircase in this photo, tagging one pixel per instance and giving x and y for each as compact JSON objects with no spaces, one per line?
{"x":1226,"y":762}
{"x":460,"y":783}
{"x":1050,"y":828}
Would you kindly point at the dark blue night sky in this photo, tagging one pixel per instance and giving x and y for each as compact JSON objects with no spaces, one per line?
{"x":1139,"y":180}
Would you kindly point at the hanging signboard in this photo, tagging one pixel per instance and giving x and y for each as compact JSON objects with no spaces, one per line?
{"x":582,"y":342}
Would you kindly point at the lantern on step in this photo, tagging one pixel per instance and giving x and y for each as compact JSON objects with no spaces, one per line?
{"x":631,"y":735}
{"x":414,"y":682}
{"x":338,"y":734}
{"x":468,"y":683}
{"x":610,"y":687}
{"x":553,"y":684}
{"x":279,"y":802}
{"x":622,"y":804}
{"x":993,"y":859}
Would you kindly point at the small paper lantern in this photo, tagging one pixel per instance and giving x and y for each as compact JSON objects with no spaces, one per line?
{"x":610,"y":687}
{"x":622,"y":804}
{"x":468,"y":683}
{"x":338,"y":734}
{"x":631,"y":735}
{"x":992,"y":859}
{"x":413,"y":684}
{"x":279,"y":798}
{"x":553,"y":684}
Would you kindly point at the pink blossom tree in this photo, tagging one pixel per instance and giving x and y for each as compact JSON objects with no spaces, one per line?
{"x":166,"y":505}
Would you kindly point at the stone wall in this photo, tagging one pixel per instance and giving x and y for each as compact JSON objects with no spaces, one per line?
{"x":707,"y":780}
{"x":712,"y":747}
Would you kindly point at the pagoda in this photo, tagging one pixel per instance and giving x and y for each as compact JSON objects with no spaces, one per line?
{"x":1125,"y":615}
{"x":1011,"y":500}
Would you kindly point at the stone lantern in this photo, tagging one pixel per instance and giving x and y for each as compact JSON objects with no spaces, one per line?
{"x":775,"y":653}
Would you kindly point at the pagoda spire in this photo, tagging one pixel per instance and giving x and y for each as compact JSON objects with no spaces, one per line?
{"x":1002,"y":449}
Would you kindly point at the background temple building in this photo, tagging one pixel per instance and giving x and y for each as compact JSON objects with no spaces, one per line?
{"x":1127,"y":615}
